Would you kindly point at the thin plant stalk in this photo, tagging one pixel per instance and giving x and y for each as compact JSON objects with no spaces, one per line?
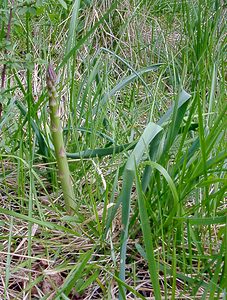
{"x":3,"y":75}
{"x":57,"y":136}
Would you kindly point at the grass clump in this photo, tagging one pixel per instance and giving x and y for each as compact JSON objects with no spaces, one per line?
{"x":141,"y":101}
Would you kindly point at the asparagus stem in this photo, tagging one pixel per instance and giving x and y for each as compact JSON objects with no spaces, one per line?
{"x":57,"y":136}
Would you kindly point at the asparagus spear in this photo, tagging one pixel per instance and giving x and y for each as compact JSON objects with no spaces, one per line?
{"x":57,"y":136}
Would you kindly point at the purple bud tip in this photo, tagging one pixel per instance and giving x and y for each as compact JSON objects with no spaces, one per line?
{"x":51,"y":75}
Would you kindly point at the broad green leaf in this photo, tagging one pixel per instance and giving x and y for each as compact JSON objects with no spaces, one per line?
{"x":172,"y":131}
{"x":128,"y":177}
{"x":183,"y":99}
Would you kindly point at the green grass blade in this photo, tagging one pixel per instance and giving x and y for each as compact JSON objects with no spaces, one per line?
{"x":124,"y":82}
{"x":90,"y":131}
{"x":82,"y":41}
{"x":150,"y":132}
{"x":129,"y":288}
{"x":213,"y":287}
{"x":174,"y":205}
{"x":182,"y":103}
{"x":43,"y":148}
{"x":89,"y":153}
{"x":63,"y":3}
{"x":223,"y":281}
{"x":89,"y":281}
{"x":72,"y":26}
{"x":7,"y":115}
{"x":148,"y":239}
{"x":203,"y":221}
{"x":183,"y":100}
{"x":101,"y":152}
{"x":8,"y":261}
{"x":75,"y":274}
{"x":134,"y":159}
{"x":177,"y":118}
{"x":32,"y":220}
{"x":113,"y":209}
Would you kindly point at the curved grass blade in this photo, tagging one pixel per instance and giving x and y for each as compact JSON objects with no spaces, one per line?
{"x":124,"y":82}
{"x":135,"y":75}
{"x":172,"y":188}
{"x":100,"y":152}
{"x":134,"y":159}
{"x":182,"y":103}
{"x":183,"y":100}
{"x":148,"y":239}
{"x":63,"y":3}
{"x":198,"y":171}
{"x":177,"y":118}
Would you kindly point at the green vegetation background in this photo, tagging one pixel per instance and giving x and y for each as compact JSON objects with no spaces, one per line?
{"x":141,"y":90}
